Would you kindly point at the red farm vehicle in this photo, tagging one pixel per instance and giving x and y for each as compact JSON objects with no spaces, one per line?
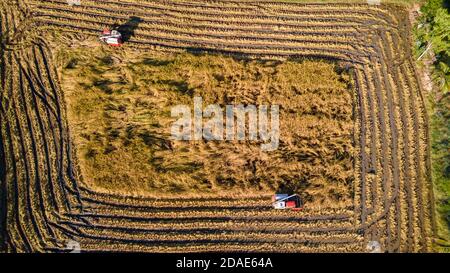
{"x":286,"y":201}
{"x":111,"y":37}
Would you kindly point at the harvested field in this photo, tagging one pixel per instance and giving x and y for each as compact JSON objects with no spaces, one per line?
{"x":45,"y":202}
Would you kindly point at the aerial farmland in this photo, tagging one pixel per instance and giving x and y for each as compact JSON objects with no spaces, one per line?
{"x":214,"y":126}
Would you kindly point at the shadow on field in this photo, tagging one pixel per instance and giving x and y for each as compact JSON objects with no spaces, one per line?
{"x":296,"y":188}
{"x":245,"y":56}
{"x":127,"y":30}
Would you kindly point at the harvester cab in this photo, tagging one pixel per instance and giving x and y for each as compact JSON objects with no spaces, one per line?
{"x":286,"y":201}
{"x":111,"y":37}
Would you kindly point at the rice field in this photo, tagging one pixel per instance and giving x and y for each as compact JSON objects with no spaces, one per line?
{"x":47,"y":202}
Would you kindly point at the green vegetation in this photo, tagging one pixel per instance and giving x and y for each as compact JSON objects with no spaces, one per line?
{"x":119,"y":113}
{"x":433,"y":46}
{"x":440,"y":139}
{"x":433,"y":35}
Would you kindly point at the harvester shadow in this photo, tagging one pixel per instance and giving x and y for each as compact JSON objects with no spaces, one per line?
{"x":298,"y":187}
{"x":127,"y":30}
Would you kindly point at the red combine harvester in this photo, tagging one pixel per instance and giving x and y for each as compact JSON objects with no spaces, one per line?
{"x":286,"y":201}
{"x":111,"y":37}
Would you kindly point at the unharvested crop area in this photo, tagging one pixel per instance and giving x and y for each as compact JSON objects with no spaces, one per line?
{"x":122,"y":125}
{"x":46,"y":202}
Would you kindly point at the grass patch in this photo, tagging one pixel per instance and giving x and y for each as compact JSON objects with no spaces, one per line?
{"x":440,"y":138}
{"x":432,"y":52}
